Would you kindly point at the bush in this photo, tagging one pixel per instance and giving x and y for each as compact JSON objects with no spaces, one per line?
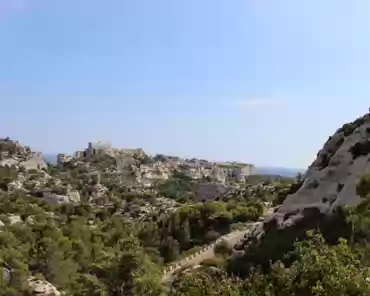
{"x":215,"y":262}
{"x":363,"y":186}
{"x":324,"y":160}
{"x":223,"y":248}
{"x":349,"y":128}
{"x":176,"y":188}
{"x":212,"y":235}
{"x":360,"y":149}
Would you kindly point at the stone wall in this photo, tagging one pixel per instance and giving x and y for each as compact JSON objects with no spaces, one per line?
{"x":233,"y":238}
{"x":207,"y":252}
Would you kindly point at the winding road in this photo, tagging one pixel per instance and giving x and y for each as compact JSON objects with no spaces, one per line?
{"x":208,"y":252}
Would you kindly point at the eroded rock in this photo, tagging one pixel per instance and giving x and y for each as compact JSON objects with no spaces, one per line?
{"x":38,"y":287}
{"x":331,"y":179}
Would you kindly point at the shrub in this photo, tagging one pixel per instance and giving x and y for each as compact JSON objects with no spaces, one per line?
{"x":349,"y":128}
{"x":363,"y":186}
{"x":212,"y":235}
{"x":360,"y":149}
{"x":313,"y":184}
{"x":215,"y":262}
{"x":223,"y":248}
{"x":324,"y":160}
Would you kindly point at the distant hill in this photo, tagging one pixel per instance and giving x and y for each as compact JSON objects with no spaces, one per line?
{"x":284,"y":172}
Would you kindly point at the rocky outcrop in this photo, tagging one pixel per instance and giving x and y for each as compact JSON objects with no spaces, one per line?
{"x":38,"y":287}
{"x":206,"y":191}
{"x":242,"y":172}
{"x":158,"y":208}
{"x":6,"y":274}
{"x":14,"y":154}
{"x":64,"y":161}
{"x":53,"y":198}
{"x":331,"y":179}
{"x":34,"y":161}
{"x":13,"y":219}
{"x":218,"y":175}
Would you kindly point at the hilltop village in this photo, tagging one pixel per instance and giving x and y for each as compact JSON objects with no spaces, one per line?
{"x":147,"y":170}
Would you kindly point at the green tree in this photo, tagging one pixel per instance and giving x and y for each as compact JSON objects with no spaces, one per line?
{"x":321,"y":269}
{"x":202,"y":283}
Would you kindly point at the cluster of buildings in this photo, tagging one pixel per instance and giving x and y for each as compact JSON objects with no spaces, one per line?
{"x":160,"y":167}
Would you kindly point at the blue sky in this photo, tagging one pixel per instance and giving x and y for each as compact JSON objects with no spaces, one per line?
{"x":262,"y":81}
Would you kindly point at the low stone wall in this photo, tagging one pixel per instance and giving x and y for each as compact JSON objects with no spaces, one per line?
{"x":207,"y":252}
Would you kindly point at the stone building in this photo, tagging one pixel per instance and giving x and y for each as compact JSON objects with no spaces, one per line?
{"x":94,"y":147}
{"x":242,"y":172}
{"x":79,"y":155}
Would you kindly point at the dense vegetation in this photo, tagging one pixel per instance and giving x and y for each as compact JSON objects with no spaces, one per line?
{"x":84,"y":250}
{"x":336,"y":262}
{"x":87,"y":249}
{"x":196,"y":225}
{"x":93,"y":248}
{"x":178,"y":187}
{"x":318,"y":269}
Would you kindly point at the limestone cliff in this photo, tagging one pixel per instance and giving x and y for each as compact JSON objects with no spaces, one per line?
{"x":14,"y":154}
{"x":331,"y":179}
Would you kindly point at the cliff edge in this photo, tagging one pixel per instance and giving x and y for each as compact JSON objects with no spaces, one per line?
{"x":331,"y":179}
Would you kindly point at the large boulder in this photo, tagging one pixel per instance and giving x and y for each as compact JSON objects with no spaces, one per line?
{"x":35,"y":161}
{"x":38,"y":287}
{"x":14,"y":219}
{"x":53,"y":198}
{"x":6,"y":274}
{"x":207,"y":191}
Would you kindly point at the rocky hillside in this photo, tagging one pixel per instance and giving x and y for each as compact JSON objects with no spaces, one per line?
{"x":108,"y":221}
{"x":136,"y":167}
{"x":12,"y":153}
{"x":331,"y":179}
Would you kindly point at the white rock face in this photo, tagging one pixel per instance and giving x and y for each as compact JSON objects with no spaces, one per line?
{"x":53,"y":198}
{"x":332,"y":178}
{"x":74,"y":196}
{"x":35,"y":162}
{"x":6,"y":274}
{"x":9,"y":162}
{"x":99,"y":191}
{"x":27,"y":160}
{"x":15,"y":185}
{"x":218,"y":175}
{"x":41,"y":288}
{"x":13,"y":219}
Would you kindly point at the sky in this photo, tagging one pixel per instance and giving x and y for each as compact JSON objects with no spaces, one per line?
{"x":264,"y":82}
